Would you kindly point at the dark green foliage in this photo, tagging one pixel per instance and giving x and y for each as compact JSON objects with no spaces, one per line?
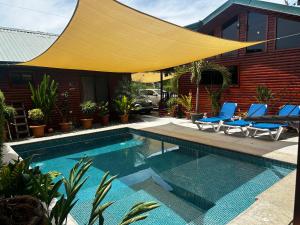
{"x":9,"y":113}
{"x":264,"y":94}
{"x":44,"y":96}
{"x":103,"y":109}
{"x":129,"y":88}
{"x":2,"y":123}
{"x":88,"y":108}
{"x":17,"y":178}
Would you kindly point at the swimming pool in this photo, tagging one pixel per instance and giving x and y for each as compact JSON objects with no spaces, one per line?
{"x":194,"y":183}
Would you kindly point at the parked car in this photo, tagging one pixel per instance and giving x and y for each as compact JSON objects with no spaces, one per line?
{"x":142,"y":105}
{"x":153,"y":95}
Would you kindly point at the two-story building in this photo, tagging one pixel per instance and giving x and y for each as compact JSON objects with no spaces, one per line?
{"x":275,"y":64}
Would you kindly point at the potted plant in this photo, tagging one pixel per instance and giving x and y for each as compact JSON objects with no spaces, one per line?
{"x":172,"y":104}
{"x":64,"y":111}
{"x":88,"y":108}
{"x":186,"y":102}
{"x":38,"y":127}
{"x":124,"y":106}
{"x":44,"y":96}
{"x":104,"y":113}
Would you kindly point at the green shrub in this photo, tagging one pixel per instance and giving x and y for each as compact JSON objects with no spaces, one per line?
{"x":44,"y":96}
{"x":18,"y":178}
{"x":88,"y":108}
{"x":36,"y":115}
{"x":9,"y":112}
{"x":124,"y":105}
{"x":103,"y":108}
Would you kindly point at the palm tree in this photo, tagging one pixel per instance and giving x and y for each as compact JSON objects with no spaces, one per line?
{"x":196,"y":69}
{"x":215,"y":93}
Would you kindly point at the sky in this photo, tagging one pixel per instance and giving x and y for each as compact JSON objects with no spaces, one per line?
{"x":53,"y":15}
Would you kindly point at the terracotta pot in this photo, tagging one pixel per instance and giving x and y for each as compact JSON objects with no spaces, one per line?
{"x":38,"y":131}
{"x":87,"y":123}
{"x":188,"y":115}
{"x":124,"y":118}
{"x":65,"y":127}
{"x":104,"y":120}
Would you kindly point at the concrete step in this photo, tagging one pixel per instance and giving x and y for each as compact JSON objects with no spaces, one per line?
{"x":184,"y":209}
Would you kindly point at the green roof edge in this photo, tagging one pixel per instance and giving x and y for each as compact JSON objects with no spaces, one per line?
{"x":291,"y":10}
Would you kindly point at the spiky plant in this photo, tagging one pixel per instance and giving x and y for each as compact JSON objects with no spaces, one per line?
{"x":264,"y":94}
{"x":186,"y":102}
{"x":124,"y":105}
{"x":44,"y":96}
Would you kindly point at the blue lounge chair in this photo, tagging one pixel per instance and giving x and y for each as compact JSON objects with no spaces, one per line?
{"x":226,"y":113}
{"x":254,"y":110}
{"x":287,"y":110}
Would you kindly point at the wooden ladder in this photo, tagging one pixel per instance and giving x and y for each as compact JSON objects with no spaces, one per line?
{"x":20,"y":120}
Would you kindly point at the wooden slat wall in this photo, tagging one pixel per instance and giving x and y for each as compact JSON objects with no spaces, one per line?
{"x":67,"y":80}
{"x":277,"y":69}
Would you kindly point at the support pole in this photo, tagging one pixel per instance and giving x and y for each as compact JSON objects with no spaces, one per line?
{"x":297,"y":191}
{"x":161,"y":86}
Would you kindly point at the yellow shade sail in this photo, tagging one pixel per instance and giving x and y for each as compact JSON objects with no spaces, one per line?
{"x":106,"y":36}
{"x":150,"y":77}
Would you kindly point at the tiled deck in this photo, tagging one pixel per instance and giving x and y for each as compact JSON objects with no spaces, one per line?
{"x":274,"y":206}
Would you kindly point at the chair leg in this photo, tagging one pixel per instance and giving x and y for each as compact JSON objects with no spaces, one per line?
{"x":279,"y":131}
{"x":247,"y":134}
{"x":226,"y":130}
{"x":244,"y":132}
{"x":218,"y":127}
{"x":200,"y":126}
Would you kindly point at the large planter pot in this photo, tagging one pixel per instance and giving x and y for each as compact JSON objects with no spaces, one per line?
{"x":65,"y":127}
{"x":196,"y":116}
{"x":124,"y":118}
{"x":104,"y":120}
{"x":38,"y":131}
{"x":87,"y":123}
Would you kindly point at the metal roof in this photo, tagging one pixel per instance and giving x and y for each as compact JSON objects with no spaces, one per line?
{"x":22,"y":45}
{"x":275,"y":7}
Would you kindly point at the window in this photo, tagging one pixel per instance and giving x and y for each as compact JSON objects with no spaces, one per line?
{"x":20,"y":78}
{"x":287,"y":27}
{"x":230,"y":30}
{"x":257,"y":28}
{"x":234,"y":71}
{"x":213,"y":77}
{"x":94,"y":88}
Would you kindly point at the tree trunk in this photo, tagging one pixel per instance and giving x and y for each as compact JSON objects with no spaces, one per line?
{"x":197,"y":98}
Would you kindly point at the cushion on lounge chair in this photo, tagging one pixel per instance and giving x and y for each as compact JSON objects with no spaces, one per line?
{"x":228,"y":110}
{"x":238,"y":123}
{"x":216,"y":119}
{"x":257,"y":110}
{"x":289,"y":110}
{"x":269,"y":126}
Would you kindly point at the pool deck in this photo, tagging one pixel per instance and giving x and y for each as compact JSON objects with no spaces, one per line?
{"x":274,"y":206}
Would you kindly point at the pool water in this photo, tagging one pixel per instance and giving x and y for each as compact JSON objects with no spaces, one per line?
{"x":193,"y":183}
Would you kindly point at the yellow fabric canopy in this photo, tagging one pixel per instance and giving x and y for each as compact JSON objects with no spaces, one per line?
{"x":106,"y":36}
{"x":150,"y":77}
